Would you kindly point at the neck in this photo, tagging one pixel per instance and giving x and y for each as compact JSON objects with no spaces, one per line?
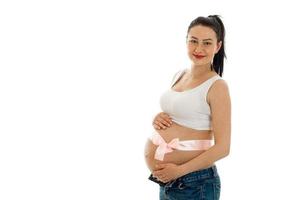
{"x":198,"y":71}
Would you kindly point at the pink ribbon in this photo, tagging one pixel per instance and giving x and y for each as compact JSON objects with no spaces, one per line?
{"x":164,"y":147}
{"x":186,"y":145}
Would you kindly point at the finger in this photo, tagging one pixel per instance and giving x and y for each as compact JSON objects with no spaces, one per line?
{"x":162,"y":118}
{"x":156,"y":127}
{"x":162,"y":125}
{"x":158,"y":115}
{"x":157,"y":173}
{"x":163,"y":121}
{"x":162,"y":176}
{"x":158,"y":123}
{"x":154,"y":121}
{"x":167,"y":120}
{"x":166,"y":117}
{"x":165,"y":180}
{"x":159,"y":166}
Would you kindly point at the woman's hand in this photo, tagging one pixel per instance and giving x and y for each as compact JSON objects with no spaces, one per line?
{"x":161,"y":121}
{"x":167,"y":172}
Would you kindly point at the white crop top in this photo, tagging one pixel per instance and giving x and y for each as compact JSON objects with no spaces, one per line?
{"x":188,"y":108}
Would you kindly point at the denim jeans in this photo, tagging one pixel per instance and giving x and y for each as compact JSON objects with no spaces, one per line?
{"x":202,"y":184}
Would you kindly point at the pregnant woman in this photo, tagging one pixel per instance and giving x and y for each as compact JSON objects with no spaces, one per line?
{"x":194,"y":129}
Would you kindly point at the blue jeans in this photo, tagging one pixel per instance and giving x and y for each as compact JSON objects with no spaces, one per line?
{"x":202,"y":184}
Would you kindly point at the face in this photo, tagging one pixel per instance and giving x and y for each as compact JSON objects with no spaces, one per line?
{"x":202,"y":45}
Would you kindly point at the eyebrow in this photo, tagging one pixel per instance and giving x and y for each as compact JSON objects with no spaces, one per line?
{"x":203,"y":39}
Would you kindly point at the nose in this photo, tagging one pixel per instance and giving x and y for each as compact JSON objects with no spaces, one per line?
{"x":199,"y":48}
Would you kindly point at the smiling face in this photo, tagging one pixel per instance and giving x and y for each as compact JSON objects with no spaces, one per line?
{"x":202,"y":45}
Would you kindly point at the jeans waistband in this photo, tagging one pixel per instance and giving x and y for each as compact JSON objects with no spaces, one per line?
{"x":200,"y":174}
{"x":190,"y":177}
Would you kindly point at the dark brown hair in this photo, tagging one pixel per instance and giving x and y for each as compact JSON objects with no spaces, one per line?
{"x":214,"y":22}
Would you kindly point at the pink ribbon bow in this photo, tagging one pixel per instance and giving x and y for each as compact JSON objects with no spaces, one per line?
{"x":164,"y":147}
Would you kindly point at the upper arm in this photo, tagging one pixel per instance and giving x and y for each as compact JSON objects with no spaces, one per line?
{"x":220,"y":104}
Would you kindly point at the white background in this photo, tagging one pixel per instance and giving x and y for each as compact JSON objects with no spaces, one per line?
{"x":80,"y":83}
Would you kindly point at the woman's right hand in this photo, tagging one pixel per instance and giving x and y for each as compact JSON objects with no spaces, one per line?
{"x":162,"y":121}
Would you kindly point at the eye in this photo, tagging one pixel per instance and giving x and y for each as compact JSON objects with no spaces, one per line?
{"x":207,"y":43}
{"x":193,"y":41}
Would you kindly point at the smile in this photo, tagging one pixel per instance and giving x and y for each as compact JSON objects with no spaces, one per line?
{"x":198,"y":56}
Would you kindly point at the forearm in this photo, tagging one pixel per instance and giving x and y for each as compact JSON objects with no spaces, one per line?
{"x":204,"y":160}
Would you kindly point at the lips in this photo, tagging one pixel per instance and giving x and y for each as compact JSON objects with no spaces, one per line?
{"x":198,"y":56}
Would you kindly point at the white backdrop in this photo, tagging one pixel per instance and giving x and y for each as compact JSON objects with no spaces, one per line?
{"x":80,"y":83}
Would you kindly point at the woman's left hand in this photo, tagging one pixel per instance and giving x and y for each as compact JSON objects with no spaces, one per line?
{"x":166,"y":172}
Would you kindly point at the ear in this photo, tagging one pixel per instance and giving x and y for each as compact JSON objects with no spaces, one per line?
{"x":219,"y":45}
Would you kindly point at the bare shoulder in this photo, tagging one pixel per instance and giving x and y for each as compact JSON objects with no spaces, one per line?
{"x":218,"y":91}
{"x":220,"y":106}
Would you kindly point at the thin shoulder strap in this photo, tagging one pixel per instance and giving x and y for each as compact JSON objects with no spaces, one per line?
{"x":177,"y":76}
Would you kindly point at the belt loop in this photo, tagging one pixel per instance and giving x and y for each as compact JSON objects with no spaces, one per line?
{"x":215,"y":172}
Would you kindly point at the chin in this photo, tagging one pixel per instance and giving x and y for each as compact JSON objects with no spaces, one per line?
{"x":197,"y":62}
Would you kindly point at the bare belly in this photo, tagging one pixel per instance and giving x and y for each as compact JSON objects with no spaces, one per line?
{"x":176,"y":156}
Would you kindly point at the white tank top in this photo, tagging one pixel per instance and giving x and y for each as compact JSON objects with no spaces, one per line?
{"x":189,"y":108}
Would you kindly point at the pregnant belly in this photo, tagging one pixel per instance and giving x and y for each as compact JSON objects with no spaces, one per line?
{"x":176,"y":156}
